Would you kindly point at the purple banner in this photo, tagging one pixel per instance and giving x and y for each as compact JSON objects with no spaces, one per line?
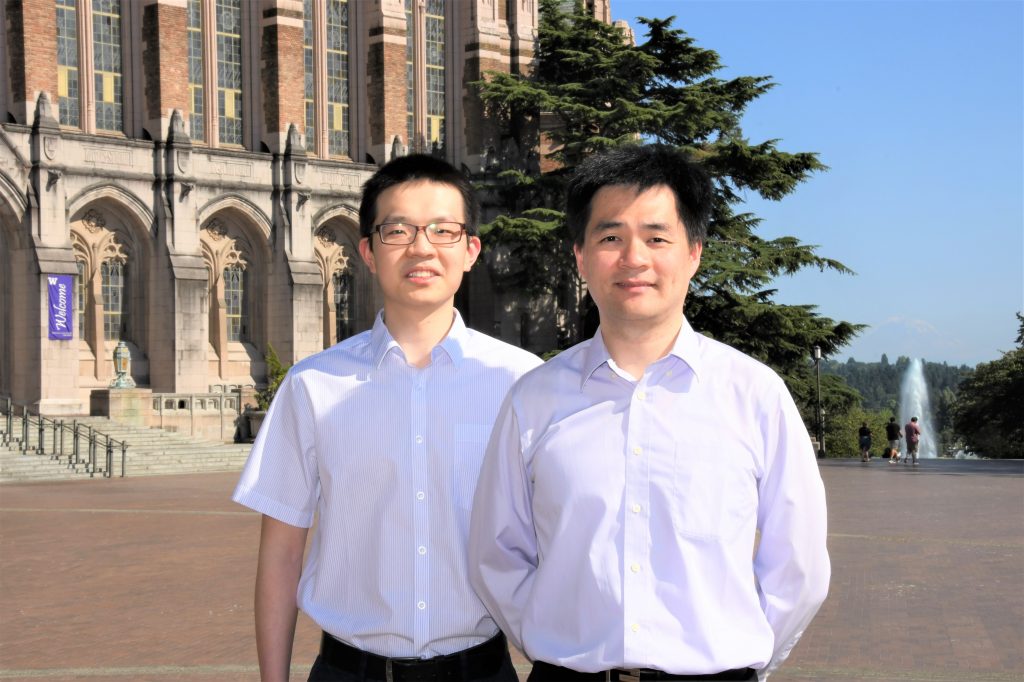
{"x":62,"y":307}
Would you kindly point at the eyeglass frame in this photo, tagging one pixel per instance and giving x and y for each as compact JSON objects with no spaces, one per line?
{"x":423,"y":228}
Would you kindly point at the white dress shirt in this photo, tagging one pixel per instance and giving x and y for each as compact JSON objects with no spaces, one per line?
{"x":386,"y":457}
{"x":614,"y":521}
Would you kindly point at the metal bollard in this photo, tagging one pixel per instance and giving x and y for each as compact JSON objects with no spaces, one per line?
{"x":73,"y":460}
{"x":92,"y":453}
{"x":110,"y":459}
{"x":24,"y":429}
{"x":41,"y":445}
{"x":61,"y":453}
{"x":124,"y":451}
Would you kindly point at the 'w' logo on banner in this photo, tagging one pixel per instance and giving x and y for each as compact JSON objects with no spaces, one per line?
{"x":53,"y":281}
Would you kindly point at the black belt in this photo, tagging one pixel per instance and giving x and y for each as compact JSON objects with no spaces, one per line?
{"x":482,"y":660}
{"x":547,"y":671}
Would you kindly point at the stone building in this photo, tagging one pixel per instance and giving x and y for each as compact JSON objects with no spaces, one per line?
{"x":193,"y":169}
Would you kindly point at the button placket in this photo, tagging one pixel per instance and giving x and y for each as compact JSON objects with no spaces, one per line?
{"x":637,"y":523}
{"x":419,"y":462}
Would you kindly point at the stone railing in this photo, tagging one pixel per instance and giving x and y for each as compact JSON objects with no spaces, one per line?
{"x":211,"y":416}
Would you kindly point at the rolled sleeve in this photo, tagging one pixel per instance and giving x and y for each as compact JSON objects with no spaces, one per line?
{"x":280,"y":477}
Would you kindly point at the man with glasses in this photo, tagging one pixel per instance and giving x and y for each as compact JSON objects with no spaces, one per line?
{"x":380,"y":439}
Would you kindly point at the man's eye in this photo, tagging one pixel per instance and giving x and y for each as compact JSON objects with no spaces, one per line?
{"x":395,"y":230}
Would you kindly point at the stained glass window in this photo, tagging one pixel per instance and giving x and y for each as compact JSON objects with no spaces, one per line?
{"x":229,"y":71}
{"x":106,"y":46}
{"x":195,"y":69}
{"x":67,"y":63}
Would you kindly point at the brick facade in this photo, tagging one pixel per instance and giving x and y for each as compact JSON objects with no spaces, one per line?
{"x":164,"y":65}
{"x":181,"y":214}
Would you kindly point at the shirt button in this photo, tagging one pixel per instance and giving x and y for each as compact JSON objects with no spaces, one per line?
{"x":638,"y":450}
{"x":419,"y":439}
{"x":635,"y":627}
{"x":421,"y":605}
{"x":421,"y":496}
{"x":641,"y":395}
{"x":422,"y":550}
{"x":636,"y":508}
{"x":635,"y":568}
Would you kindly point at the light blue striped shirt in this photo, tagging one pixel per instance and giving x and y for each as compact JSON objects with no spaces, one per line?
{"x":385,"y":456}
{"x":615,"y":518}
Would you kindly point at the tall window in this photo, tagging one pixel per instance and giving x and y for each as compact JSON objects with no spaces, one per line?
{"x":434,"y":81}
{"x":410,"y":72}
{"x":425,"y":88}
{"x":106,"y":42}
{"x":309,"y":71}
{"x":229,"y":71}
{"x":80,"y":297}
{"x":343,"y":305}
{"x":327,"y":35}
{"x":234,"y":299}
{"x":195,"y":69}
{"x":337,"y":77}
{"x":112,"y":290}
{"x":67,"y":63}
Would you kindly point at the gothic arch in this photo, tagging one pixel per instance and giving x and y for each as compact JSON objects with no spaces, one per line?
{"x":130,"y":209}
{"x":13,"y":204}
{"x":112,"y":244}
{"x":237,"y":256}
{"x":347,"y":303}
{"x":252,"y":213}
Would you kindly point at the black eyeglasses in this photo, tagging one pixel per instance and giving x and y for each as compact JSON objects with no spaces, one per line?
{"x":405,"y":233}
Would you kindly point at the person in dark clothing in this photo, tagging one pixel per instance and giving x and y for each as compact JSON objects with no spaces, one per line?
{"x":864,"y":434}
{"x":893,"y":435}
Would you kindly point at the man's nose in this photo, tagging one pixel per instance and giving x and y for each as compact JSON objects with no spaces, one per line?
{"x":420,"y":243}
{"x":634,"y":253}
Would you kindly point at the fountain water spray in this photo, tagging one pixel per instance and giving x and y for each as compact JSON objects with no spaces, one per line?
{"x":914,"y":403}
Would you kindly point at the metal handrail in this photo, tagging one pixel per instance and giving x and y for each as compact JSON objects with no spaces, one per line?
{"x":81,"y":435}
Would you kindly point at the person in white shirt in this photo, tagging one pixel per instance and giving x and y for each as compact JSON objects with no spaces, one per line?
{"x":615,"y":528}
{"x":379,"y":439}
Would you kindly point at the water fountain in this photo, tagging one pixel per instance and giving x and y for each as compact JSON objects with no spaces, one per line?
{"x":914,"y":403}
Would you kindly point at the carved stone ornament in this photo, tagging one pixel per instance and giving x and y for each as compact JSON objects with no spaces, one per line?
{"x":216,"y":229}
{"x":50,"y":147}
{"x":184,"y":160}
{"x":326,"y":236}
{"x":94,"y":220}
{"x":300,"y":173}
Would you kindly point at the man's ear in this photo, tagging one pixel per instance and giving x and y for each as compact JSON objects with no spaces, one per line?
{"x":367,"y":254}
{"x":473,"y":247}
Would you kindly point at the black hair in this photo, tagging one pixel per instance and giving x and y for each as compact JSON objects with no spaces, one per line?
{"x":643,"y":167}
{"x":409,"y":169}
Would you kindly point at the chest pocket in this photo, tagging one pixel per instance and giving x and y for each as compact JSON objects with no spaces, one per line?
{"x":470,"y":445}
{"x":714,"y":492}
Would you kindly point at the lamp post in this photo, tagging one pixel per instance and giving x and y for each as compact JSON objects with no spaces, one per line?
{"x":817,"y":411}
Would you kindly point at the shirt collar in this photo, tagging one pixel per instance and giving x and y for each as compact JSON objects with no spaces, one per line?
{"x":686,"y":348}
{"x":381,"y":341}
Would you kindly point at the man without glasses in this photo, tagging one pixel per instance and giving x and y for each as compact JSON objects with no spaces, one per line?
{"x":380,"y":439}
{"x":614,"y":531}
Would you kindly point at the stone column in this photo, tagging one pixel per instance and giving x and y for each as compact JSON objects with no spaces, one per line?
{"x":52,"y":387}
{"x":281,"y":71}
{"x":386,"y":79}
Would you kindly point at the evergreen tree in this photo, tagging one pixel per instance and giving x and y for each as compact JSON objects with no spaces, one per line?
{"x":597,"y":90}
{"x":989,"y":409}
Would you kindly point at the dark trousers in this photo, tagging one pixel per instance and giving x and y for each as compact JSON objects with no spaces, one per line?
{"x":324,"y":672}
{"x":546,"y":672}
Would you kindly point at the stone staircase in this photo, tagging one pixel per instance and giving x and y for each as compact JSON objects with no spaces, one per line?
{"x":150,"y":452}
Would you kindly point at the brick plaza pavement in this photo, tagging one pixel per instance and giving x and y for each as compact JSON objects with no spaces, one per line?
{"x":150,"y":579}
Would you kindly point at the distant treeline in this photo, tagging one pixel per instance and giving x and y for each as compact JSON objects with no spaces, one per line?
{"x":879,"y":382}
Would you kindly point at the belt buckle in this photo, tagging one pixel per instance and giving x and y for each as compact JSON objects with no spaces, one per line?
{"x":404,"y":665}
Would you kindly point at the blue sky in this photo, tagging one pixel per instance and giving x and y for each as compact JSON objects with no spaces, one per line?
{"x":918,"y":110}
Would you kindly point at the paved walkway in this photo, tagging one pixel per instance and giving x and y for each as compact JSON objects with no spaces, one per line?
{"x":150,"y":579}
